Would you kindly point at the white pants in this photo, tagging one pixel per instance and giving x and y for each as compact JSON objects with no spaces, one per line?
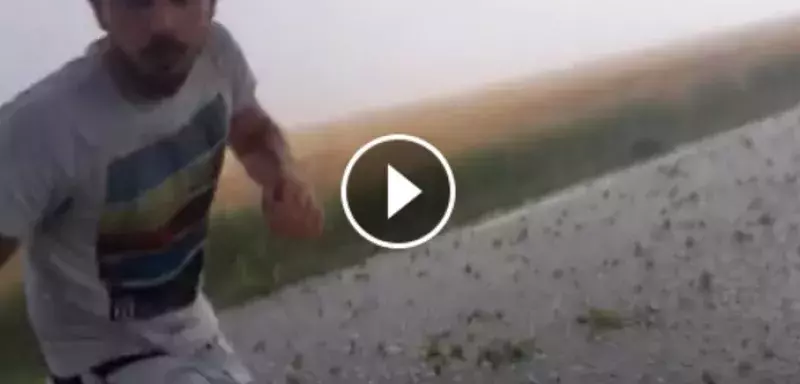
{"x":215,"y":364}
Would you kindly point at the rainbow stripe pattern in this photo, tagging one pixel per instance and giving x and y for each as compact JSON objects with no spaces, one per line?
{"x":152,"y":232}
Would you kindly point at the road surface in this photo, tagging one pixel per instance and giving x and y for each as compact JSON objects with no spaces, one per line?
{"x":682,"y":270}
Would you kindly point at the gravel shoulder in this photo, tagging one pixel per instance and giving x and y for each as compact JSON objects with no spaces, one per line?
{"x":684,"y":269}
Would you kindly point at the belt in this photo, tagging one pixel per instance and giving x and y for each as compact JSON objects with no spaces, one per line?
{"x":108,"y":367}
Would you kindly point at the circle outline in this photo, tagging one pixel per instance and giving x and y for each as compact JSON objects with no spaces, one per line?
{"x":451,"y":182}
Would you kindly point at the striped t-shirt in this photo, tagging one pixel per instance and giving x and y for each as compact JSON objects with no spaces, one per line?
{"x":112,"y":199}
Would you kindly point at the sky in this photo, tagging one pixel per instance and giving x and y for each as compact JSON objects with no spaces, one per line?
{"x":319,"y":60}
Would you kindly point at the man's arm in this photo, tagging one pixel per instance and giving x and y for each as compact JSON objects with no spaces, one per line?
{"x":254,"y":137}
{"x":8,"y":246}
{"x":287,"y":200}
{"x":31,"y":172}
{"x":260,"y":146}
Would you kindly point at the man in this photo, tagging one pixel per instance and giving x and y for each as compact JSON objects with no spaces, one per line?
{"x":107,"y":170}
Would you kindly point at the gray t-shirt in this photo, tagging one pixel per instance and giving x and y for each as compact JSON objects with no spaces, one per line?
{"x":112,"y":199}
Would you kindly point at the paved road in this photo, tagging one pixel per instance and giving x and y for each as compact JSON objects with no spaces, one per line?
{"x":683,"y":270}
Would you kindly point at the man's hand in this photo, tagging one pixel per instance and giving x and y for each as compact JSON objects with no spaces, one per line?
{"x":291,"y":208}
{"x":287,"y":200}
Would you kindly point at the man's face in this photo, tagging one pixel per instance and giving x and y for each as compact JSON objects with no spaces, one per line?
{"x":155,"y":42}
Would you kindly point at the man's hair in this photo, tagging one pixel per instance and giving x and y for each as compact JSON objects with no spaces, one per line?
{"x":96,"y":3}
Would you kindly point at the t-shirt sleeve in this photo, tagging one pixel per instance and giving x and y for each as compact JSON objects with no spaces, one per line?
{"x":235,"y":68}
{"x":29,"y":175}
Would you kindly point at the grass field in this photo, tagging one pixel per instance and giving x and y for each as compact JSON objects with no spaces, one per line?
{"x":500,"y":112}
{"x":508,"y":144}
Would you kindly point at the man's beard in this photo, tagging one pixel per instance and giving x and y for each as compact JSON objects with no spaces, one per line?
{"x":160,"y":80}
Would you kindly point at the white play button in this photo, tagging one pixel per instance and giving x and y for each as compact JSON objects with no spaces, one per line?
{"x":400,"y":191}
